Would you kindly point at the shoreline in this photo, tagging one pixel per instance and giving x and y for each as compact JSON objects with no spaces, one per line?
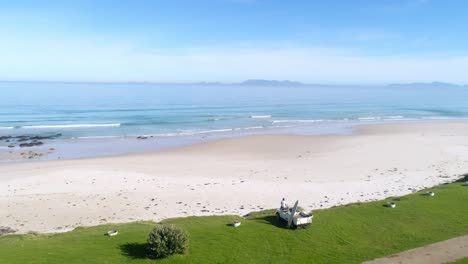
{"x":115,"y":146}
{"x":233,"y":176}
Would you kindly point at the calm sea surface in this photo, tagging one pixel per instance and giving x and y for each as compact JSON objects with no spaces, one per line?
{"x":127,"y":110}
{"x":106,"y":119}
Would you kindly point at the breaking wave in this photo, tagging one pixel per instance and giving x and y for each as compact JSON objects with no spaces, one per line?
{"x":260,"y":116}
{"x":69,"y":126}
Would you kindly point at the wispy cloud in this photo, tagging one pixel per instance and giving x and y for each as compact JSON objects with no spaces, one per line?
{"x":100,"y":61}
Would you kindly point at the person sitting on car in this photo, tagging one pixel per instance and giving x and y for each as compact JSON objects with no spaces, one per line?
{"x":284,"y":206}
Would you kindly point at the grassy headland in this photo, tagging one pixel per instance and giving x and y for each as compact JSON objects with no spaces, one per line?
{"x":345,"y":234}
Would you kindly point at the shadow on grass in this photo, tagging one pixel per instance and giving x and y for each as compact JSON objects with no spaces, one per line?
{"x":134,"y":250}
{"x":271,"y":220}
{"x":464,"y":178}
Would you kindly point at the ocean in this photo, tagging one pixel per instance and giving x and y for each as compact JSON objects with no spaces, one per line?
{"x":126,"y":111}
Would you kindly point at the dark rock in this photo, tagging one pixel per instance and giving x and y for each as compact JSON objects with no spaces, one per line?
{"x":32,"y":144}
{"x":44,"y":137}
{"x":26,"y":141}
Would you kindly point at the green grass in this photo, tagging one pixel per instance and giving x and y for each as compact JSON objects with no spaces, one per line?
{"x":347,"y":234}
{"x":461,"y":261}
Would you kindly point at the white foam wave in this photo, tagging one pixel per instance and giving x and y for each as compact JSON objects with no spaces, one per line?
{"x":192,"y":133}
{"x":71,"y":126}
{"x":205,"y":131}
{"x":5,"y":128}
{"x":402,"y":119}
{"x":287,"y":126}
{"x":98,"y":137}
{"x":260,"y":116}
{"x":248,"y":128}
{"x":443,"y":118}
{"x":298,"y":121}
{"x":370,"y":118}
{"x":161,"y":135}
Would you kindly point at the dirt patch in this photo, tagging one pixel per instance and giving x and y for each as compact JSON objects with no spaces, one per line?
{"x":442,"y":252}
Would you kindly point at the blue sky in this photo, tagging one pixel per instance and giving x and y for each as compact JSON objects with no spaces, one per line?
{"x":373,"y":41}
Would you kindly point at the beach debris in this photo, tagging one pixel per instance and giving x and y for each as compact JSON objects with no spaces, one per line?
{"x":390,"y":205}
{"x":112,"y":233}
{"x":236,"y":223}
{"x":4,"y":230}
{"x":429,"y":193}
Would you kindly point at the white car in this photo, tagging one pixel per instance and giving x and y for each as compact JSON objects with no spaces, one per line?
{"x":292,"y":218}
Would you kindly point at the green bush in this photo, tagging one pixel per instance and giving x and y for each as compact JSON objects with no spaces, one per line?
{"x":166,"y":240}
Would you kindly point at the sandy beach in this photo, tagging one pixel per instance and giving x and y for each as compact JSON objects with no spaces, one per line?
{"x":233,"y":176}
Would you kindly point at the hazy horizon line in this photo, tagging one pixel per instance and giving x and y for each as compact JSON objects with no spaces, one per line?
{"x":265,"y":81}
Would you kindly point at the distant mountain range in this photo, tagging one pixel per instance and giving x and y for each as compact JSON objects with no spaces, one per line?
{"x":294,"y":83}
{"x":426,"y":85}
{"x":271,"y":83}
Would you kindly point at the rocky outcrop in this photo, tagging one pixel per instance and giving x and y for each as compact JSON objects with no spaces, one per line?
{"x":27,"y":141}
{"x":31,"y":144}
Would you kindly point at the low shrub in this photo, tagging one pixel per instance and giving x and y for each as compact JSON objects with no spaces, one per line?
{"x":166,"y":240}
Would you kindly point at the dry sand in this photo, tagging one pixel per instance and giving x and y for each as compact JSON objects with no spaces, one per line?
{"x":233,"y":176}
